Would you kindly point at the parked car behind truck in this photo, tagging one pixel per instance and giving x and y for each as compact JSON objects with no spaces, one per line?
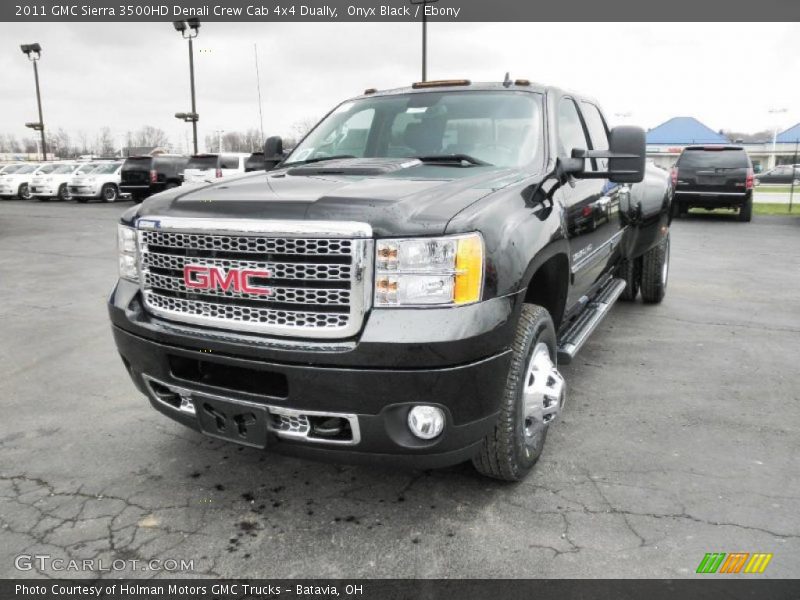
{"x":402,"y":288}
{"x":102,"y":182}
{"x":143,"y":176}
{"x":15,"y":182}
{"x":207,"y":167}
{"x":714,"y":177}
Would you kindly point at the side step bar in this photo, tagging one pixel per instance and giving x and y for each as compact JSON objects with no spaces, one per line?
{"x":575,"y":336}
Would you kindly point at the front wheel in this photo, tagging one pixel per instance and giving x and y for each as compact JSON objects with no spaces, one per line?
{"x":63,"y":192}
{"x":109,"y":193}
{"x":533,"y":397}
{"x":24,"y":192}
{"x":655,"y":272}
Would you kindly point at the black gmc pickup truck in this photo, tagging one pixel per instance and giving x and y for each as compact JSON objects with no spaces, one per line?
{"x":402,"y":287}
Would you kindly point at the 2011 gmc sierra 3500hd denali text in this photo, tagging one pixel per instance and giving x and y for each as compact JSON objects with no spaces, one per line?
{"x":402,"y":286}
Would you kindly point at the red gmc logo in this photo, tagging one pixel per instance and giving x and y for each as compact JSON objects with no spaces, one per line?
{"x":199,"y":277}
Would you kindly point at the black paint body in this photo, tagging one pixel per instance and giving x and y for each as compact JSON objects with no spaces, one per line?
{"x":548,"y":239}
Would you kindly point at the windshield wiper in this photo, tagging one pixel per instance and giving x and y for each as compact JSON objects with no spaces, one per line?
{"x":457,"y":159}
{"x":318,"y":159}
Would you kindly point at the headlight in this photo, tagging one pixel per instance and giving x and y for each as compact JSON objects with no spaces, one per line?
{"x":128,"y":254}
{"x":429,"y":271}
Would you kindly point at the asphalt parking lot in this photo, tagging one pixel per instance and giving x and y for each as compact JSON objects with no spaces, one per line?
{"x":680,"y":437}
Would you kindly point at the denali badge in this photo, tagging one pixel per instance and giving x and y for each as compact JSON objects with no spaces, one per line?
{"x":200,"y":277}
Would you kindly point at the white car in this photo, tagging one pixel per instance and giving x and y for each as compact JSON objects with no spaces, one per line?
{"x":101,"y":182}
{"x":16,"y":183}
{"x":51,"y":181}
{"x":208,"y":167}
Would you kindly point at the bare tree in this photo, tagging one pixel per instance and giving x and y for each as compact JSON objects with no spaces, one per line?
{"x":29,"y":145}
{"x":83,"y":146}
{"x":105,"y":142}
{"x":150,"y":136}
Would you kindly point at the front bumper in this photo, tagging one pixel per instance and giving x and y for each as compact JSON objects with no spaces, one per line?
{"x":456,"y":359}
{"x":43,"y":191}
{"x":83,"y":191}
{"x":7,"y":190}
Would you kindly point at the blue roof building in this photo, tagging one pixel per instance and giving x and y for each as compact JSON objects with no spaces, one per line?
{"x":790,"y":136}
{"x":681,"y":131}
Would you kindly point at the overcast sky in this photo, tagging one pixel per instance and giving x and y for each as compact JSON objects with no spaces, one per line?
{"x":125,"y":75}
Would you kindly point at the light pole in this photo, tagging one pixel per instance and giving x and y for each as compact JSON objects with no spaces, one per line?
{"x":34,"y":53}
{"x":773,"y":159}
{"x":219,"y":133}
{"x":424,"y":4}
{"x":189,"y":29}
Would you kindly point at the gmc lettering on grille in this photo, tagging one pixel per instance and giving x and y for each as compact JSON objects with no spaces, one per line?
{"x":201,"y":277}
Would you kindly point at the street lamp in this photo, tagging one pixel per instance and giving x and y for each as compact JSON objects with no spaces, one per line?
{"x":189,"y":29}
{"x":34,"y":53}
{"x":424,"y":4}
{"x":774,"y":159}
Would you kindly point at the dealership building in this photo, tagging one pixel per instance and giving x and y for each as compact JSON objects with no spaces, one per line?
{"x":665,"y":143}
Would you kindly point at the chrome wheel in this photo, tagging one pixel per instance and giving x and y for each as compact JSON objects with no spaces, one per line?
{"x":544,"y":393}
{"x":109,"y":193}
{"x":665,"y":268}
{"x":25,"y":192}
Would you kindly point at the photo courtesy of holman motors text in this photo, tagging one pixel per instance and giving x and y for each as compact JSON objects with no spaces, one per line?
{"x":399,"y":299}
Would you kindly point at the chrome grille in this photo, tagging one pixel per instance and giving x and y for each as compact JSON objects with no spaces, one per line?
{"x":256,"y":244}
{"x":317,"y":284}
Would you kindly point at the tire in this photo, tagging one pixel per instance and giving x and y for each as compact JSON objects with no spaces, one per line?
{"x":631,"y":272}
{"x":24,"y":192}
{"x":655,"y":272}
{"x":63,"y":193}
{"x":109,"y":193}
{"x":746,"y":210}
{"x":513,"y":447}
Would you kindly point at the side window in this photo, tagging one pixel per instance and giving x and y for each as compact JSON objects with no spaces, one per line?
{"x":570,"y":130}
{"x":598,"y":133}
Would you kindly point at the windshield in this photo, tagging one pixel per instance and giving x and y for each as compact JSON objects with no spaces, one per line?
{"x":719,"y":159}
{"x":209,"y":161}
{"x":11,"y":169}
{"x":63,"y":169}
{"x":27,"y":169}
{"x":87,"y":168}
{"x":500,"y":128}
{"x":104,"y":169}
{"x":46,"y":169}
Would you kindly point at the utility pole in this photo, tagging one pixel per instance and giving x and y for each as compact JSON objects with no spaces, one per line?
{"x":34,"y":53}
{"x":190,"y":29}
{"x":424,"y":4}
{"x":773,"y":158}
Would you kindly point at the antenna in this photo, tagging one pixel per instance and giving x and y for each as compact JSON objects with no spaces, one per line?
{"x":507,"y":80}
{"x":258,"y":86}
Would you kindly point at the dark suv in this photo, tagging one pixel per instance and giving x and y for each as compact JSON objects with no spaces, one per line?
{"x":713,"y":177}
{"x":143,"y":176}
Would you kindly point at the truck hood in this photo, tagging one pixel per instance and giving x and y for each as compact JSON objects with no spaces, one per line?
{"x":394,"y":196}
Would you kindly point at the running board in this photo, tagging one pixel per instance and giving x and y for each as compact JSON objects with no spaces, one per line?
{"x":575,"y":336}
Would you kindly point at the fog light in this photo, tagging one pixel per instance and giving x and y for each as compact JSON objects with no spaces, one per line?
{"x":426,"y":422}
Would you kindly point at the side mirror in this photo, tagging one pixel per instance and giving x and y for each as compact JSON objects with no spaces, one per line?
{"x":273,"y":152}
{"x":626,"y":157}
{"x":273,"y":148}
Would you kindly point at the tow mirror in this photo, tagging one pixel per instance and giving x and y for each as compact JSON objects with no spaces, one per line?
{"x":273,"y":152}
{"x":626,"y":157}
